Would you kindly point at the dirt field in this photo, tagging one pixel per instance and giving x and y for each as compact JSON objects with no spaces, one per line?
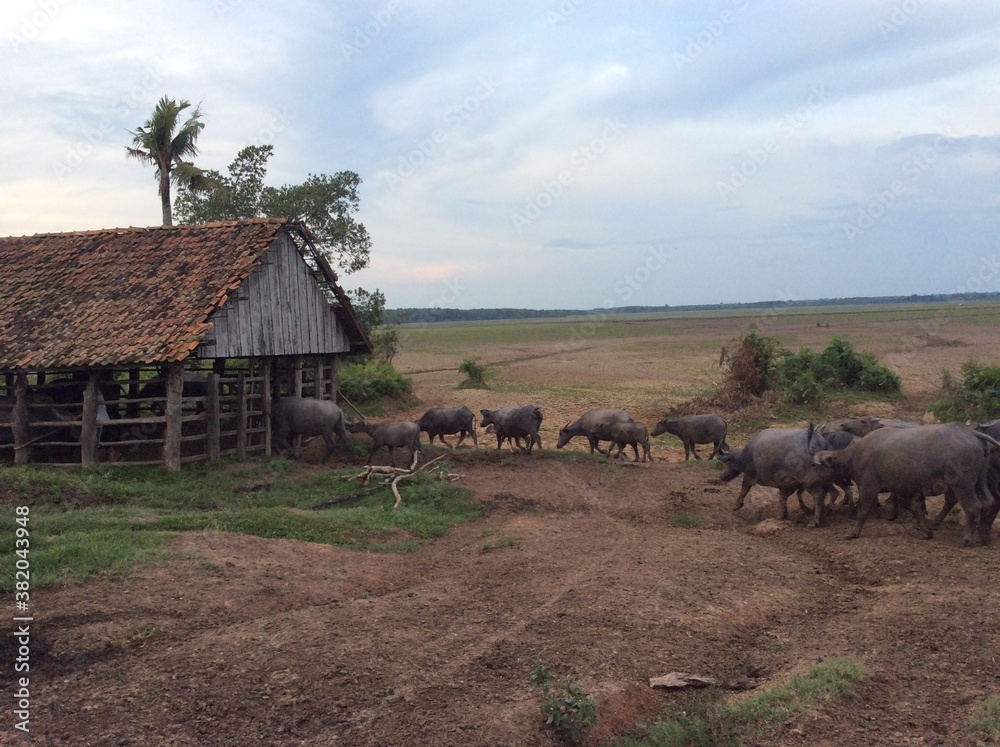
{"x":611,"y":573}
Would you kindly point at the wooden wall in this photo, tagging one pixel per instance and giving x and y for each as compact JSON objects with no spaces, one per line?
{"x":279,"y":310}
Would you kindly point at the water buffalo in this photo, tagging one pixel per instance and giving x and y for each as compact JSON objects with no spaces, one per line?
{"x":781,"y":458}
{"x":625,"y":434}
{"x":299,"y":416}
{"x":441,"y":421}
{"x":695,"y":429}
{"x":918,"y":462}
{"x":393,"y":434}
{"x":586,"y":424}
{"x":515,"y":423}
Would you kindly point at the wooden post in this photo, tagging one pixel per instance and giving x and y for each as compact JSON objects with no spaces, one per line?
{"x":241,"y":417}
{"x":213,"y":428}
{"x":297,"y":377}
{"x":318,"y":387}
{"x":265,"y":403}
{"x":332,"y":361}
{"x":132,"y":408}
{"x":20,"y":421}
{"x":88,"y":426}
{"x":175,"y":411}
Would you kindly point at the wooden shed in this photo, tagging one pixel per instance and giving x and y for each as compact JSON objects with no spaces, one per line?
{"x":165,"y":344}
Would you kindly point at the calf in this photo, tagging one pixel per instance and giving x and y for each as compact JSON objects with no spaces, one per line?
{"x":626,"y":434}
{"x":394,"y":434}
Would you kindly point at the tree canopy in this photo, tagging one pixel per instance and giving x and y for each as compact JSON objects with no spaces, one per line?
{"x":324,"y":202}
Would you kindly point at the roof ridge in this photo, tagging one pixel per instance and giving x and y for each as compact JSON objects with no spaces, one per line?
{"x":144,"y":229}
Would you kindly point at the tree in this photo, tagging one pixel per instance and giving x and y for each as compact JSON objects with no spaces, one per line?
{"x":324,"y":202}
{"x":160,"y":143}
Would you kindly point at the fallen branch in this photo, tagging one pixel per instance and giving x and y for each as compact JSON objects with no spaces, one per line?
{"x":394,"y":475}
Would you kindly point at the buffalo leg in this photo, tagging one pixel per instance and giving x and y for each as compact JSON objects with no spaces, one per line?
{"x":819,"y":497}
{"x":694,"y":450}
{"x":867,"y":496}
{"x":783,"y":501}
{"x":748,"y":483}
{"x":949,"y":503}
{"x":687,"y":451}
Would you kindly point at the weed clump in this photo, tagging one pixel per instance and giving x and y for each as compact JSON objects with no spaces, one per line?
{"x":568,"y":708}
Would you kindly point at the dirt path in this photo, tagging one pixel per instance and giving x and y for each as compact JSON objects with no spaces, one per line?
{"x":610,"y":573}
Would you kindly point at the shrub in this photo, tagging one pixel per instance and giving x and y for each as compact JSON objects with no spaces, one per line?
{"x":806,"y":375}
{"x":372,"y":381}
{"x":975,"y":395}
{"x":475,"y":374}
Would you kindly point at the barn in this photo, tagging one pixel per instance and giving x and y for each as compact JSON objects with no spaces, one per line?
{"x":164,"y":345}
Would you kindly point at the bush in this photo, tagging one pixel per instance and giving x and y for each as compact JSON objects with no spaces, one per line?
{"x":372,"y":381}
{"x":761,"y":372}
{"x":804,"y":377}
{"x":475,"y":374}
{"x":976,"y":395}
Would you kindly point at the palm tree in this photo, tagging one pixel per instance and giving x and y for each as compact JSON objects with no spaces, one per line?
{"x":161,"y":143}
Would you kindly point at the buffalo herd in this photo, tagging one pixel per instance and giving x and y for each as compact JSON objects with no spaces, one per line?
{"x":907,"y":461}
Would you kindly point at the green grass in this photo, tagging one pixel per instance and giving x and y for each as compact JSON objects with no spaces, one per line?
{"x":709,"y":719}
{"x":82,"y":524}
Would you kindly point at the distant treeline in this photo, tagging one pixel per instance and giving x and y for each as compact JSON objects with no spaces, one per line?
{"x":479,"y":315}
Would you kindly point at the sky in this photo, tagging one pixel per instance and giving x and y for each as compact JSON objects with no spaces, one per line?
{"x":550,"y":154}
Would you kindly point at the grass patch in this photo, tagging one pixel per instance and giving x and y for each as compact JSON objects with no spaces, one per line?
{"x":684,"y":521}
{"x":984,"y":725}
{"x":504,"y":540}
{"x":82,"y":524}
{"x":708,"y":719}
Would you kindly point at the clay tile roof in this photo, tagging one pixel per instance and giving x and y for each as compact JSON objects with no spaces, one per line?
{"x":120,"y":295}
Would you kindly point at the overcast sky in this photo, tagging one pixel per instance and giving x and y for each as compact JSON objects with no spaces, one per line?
{"x":548,"y":154}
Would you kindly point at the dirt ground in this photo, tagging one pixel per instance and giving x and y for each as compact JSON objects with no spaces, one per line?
{"x":609,"y":572}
